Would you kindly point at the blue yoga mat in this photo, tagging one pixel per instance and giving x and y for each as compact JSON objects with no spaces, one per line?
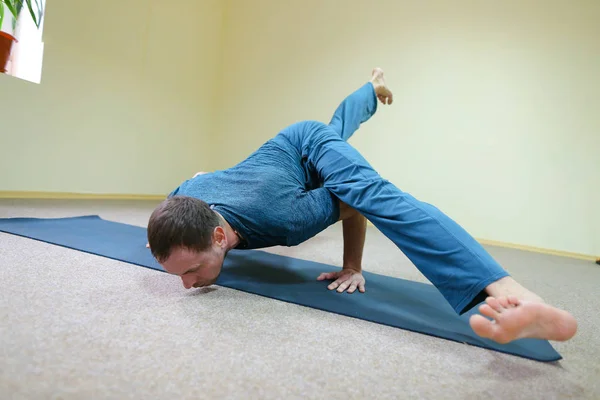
{"x":400,"y":303}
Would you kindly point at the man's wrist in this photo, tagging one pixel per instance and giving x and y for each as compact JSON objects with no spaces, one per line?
{"x":356,"y":268}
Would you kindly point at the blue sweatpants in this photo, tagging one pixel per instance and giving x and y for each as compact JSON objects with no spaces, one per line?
{"x":452,"y":260}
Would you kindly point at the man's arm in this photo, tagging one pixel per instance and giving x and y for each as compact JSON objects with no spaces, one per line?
{"x":354,"y":230}
{"x":350,"y":277}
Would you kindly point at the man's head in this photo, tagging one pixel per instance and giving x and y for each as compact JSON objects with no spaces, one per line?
{"x":188,"y":239}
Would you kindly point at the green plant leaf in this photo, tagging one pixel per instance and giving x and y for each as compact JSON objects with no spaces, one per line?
{"x":18,"y":6}
{"x":37,"y":23}
{"x":1,"y":13}
{"x":40,"y":11}
{"x":40,"y":7}
{"x":11,"y":7}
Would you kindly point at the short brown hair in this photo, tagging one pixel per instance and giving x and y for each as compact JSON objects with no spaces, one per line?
{"x":180,"y":221}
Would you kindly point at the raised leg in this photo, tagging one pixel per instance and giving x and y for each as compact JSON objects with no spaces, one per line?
{"x":360,"y":105}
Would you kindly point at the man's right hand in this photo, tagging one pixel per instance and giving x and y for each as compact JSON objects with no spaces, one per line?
{"x":345,"y":279}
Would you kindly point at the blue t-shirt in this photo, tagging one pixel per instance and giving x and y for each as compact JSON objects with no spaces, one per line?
{"x":271,"y":198}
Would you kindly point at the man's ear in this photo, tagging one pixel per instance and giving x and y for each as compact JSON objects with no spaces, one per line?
{"x":219,"y":236}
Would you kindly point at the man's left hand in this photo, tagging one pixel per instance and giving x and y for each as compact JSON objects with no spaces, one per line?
{"x":345,"y":279}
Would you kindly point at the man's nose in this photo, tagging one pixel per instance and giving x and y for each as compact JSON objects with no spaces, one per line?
{"x":188,"y":282}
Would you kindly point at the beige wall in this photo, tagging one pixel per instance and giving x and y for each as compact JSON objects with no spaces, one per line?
{"x":126,"y":103}
{"x":495,"y":119}
{"x":496,"y":113}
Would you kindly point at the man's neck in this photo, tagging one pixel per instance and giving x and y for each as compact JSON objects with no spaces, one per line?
{"x":232,"y":237}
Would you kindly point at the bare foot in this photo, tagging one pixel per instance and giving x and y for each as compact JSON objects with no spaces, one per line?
{"x":383,"y":93}
{"x":516,"y":319}
{"x":507,"y":286}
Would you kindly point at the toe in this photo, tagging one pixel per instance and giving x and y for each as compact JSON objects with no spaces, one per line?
{"x":488,"y":311}
{"x":503,"y":301}
{"x":514,"y":301}
{"x":494,"y":303}
{"x":482,"y":326}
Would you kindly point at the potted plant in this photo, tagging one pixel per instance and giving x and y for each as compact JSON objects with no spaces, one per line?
{"x":6,"y":39}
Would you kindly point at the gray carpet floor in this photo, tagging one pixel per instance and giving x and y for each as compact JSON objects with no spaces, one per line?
{"x":79,"y":326}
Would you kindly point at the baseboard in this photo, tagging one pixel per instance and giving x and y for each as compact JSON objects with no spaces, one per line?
{"x":153,"y":197}
{"x":534,"y":249}
{"x":77,"y":196}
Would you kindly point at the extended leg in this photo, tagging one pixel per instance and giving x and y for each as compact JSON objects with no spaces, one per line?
{"x":442,"y":250}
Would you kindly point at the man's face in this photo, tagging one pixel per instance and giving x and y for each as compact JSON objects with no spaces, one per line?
{"x":196,"y":269}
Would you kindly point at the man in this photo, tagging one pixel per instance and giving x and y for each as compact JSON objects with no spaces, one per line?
{"x":307,"y":178}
